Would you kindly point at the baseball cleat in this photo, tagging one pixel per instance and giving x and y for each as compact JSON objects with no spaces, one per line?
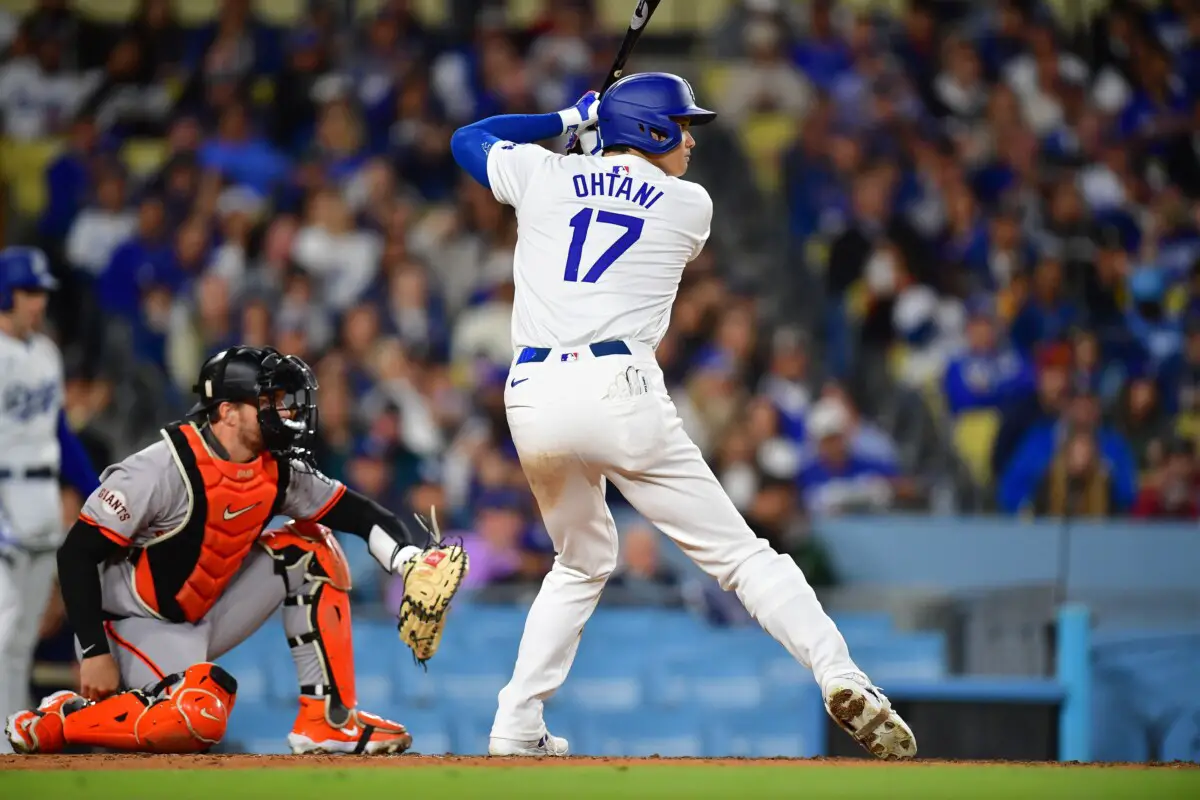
{"x":40,"y":730}
{"x":363,"y":734}
{"x":546,"y":746}
{"x":864,"y":712}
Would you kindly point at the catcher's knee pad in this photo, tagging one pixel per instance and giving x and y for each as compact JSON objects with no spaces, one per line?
{"x":186,"y":712}
{"x":316,"y":614}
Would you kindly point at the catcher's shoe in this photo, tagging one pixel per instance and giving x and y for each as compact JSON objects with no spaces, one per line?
{"x":40,"y":730}
{"x":431,"y":580}
{"x":363,"y":733}
{"x":546,"y":746}
{"x":864,"y":712}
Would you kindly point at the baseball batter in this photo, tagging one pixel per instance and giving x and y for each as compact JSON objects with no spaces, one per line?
{"x":36,"y":448}
{"x":603,"y":241}
{"x":168,"y":568}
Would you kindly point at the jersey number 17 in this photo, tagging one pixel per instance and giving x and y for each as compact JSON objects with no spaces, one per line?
{"x":580,"y":223}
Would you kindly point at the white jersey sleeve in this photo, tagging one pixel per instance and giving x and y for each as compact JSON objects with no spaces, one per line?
{"x":704,"y":214}
{"x":511,"y":169}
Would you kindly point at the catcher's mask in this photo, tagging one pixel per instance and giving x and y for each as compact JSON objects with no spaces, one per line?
{"x":283,"y":388}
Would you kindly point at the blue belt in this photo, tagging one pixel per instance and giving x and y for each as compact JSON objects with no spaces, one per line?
{"x":536,"y":355}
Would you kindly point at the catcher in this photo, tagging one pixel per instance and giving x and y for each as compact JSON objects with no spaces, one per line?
{"x":168,"y":567}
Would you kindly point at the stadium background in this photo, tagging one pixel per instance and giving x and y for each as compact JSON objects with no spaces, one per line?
{"x":950,"y":282}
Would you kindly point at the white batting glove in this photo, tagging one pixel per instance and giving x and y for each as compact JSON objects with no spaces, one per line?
{"x":581,"y":115}
{"x":589,"y":140}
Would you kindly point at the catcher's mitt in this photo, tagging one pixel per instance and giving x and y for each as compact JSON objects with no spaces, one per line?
{"x":430,"y":581}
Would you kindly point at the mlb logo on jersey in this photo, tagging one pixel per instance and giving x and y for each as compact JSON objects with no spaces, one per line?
{"x":621,"y":168}
{"x":569,"y":357}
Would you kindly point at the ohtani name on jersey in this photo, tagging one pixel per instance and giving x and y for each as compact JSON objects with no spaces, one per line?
{"x":611,"y":184}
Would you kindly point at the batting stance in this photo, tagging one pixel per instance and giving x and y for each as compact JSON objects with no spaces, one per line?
{"x":36,"y":447}
{"x":603,"y":241}
{"x":168,"y":568}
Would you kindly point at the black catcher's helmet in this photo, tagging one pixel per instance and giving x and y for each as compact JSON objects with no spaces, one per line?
{"x":249,"y":374}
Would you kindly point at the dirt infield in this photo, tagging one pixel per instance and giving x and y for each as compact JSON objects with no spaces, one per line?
{"x":235,"y":762}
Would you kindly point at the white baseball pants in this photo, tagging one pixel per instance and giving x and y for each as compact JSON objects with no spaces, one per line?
{"x":33,"y":519}
{"x":579,"y":420}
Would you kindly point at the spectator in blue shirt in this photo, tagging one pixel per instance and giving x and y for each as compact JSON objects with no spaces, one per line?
{"x":241,"y":156}
{"x":835,"y":480}
{"x":1047,"y":315}
{"x":986,"y":374}
{"x":1020,"y":481}
{"x":117,"y":287}
{"x":823,"y":55}
{"x":1156,"y":332}
{"x":68,"y":180}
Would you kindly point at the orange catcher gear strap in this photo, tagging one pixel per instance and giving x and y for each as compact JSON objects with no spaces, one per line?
{"x":183,"y":713}
{"x":316,"y":613}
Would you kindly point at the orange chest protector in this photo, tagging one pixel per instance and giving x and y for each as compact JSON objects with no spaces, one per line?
{"x":181,"y":574}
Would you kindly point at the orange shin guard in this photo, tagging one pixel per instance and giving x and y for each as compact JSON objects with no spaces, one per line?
{"x":316,"y":613}
{"x":185,"y":713}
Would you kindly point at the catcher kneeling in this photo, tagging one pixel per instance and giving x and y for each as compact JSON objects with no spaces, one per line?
{"x":169,"y":567}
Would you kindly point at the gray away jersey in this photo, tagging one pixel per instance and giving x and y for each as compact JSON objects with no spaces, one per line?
{"x":147,"y":495}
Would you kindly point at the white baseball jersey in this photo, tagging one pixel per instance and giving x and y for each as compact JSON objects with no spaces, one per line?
{"x":31,"y":397}
{"x":602,"y":246}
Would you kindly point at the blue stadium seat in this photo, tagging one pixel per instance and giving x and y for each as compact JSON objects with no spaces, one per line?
{"x":429,"y":728}
{"x":378,"y":655}
{"x":472,"y":684}
{"x":864,"y":626}
{"x":608,"y":681}
{"x":470,"y":732}
{"x":248,"y":666}
{"x":899,"y":657}
{"x":904,"y":657}
{"x":644,"y":733}
{"x":776,"y":730}
{"x":718,"y":681}
{"x":260,"y":728}
{"x":263,"y":666}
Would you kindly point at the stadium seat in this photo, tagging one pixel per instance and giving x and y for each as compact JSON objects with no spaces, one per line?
{"x":144,"y":157}
{"x":280,"y":13}
{"x":24,"y":169}
{"x":524,"y":13}
{"x":260,"y":728}
{"x":263,"y":666}
{"x":777,"y":730}
{"x":764,"y":138}
{"x":864,"y":625}
{"x":110,"y":12}
{"x":379,"y":658}
{"x":429,"y":728}
{"x":912,"y":656}
{"x":196,"y":13}
{"x":974,"y":434}
{"x":18,"y":8}
{"x":611,"y":683}
{"x":470,"y":732}
{"x":471,"y":683}
{"x":713,"y":80}
{"x":673,"y":734}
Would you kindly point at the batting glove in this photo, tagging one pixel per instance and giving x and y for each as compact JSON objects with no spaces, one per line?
{"x":583,"y":114}
{"x":589,"y":140}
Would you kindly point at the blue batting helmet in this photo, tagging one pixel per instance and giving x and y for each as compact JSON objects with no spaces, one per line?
{"x":639,"y":106}
{"x":23,"y":268}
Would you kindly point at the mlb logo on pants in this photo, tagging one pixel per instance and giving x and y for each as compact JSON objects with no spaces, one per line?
{"x":570,"y":356}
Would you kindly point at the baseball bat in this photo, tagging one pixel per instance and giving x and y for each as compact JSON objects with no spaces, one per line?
{"x":637,"y":24}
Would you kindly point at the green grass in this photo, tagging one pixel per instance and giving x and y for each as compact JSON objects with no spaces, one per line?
{"x":808,"y":781}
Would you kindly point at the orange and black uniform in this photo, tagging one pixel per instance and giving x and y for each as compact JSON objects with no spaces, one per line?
{"x":183,"y":572}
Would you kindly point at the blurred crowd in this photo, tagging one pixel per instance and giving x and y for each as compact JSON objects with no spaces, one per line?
{"x":1001,"y":214}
